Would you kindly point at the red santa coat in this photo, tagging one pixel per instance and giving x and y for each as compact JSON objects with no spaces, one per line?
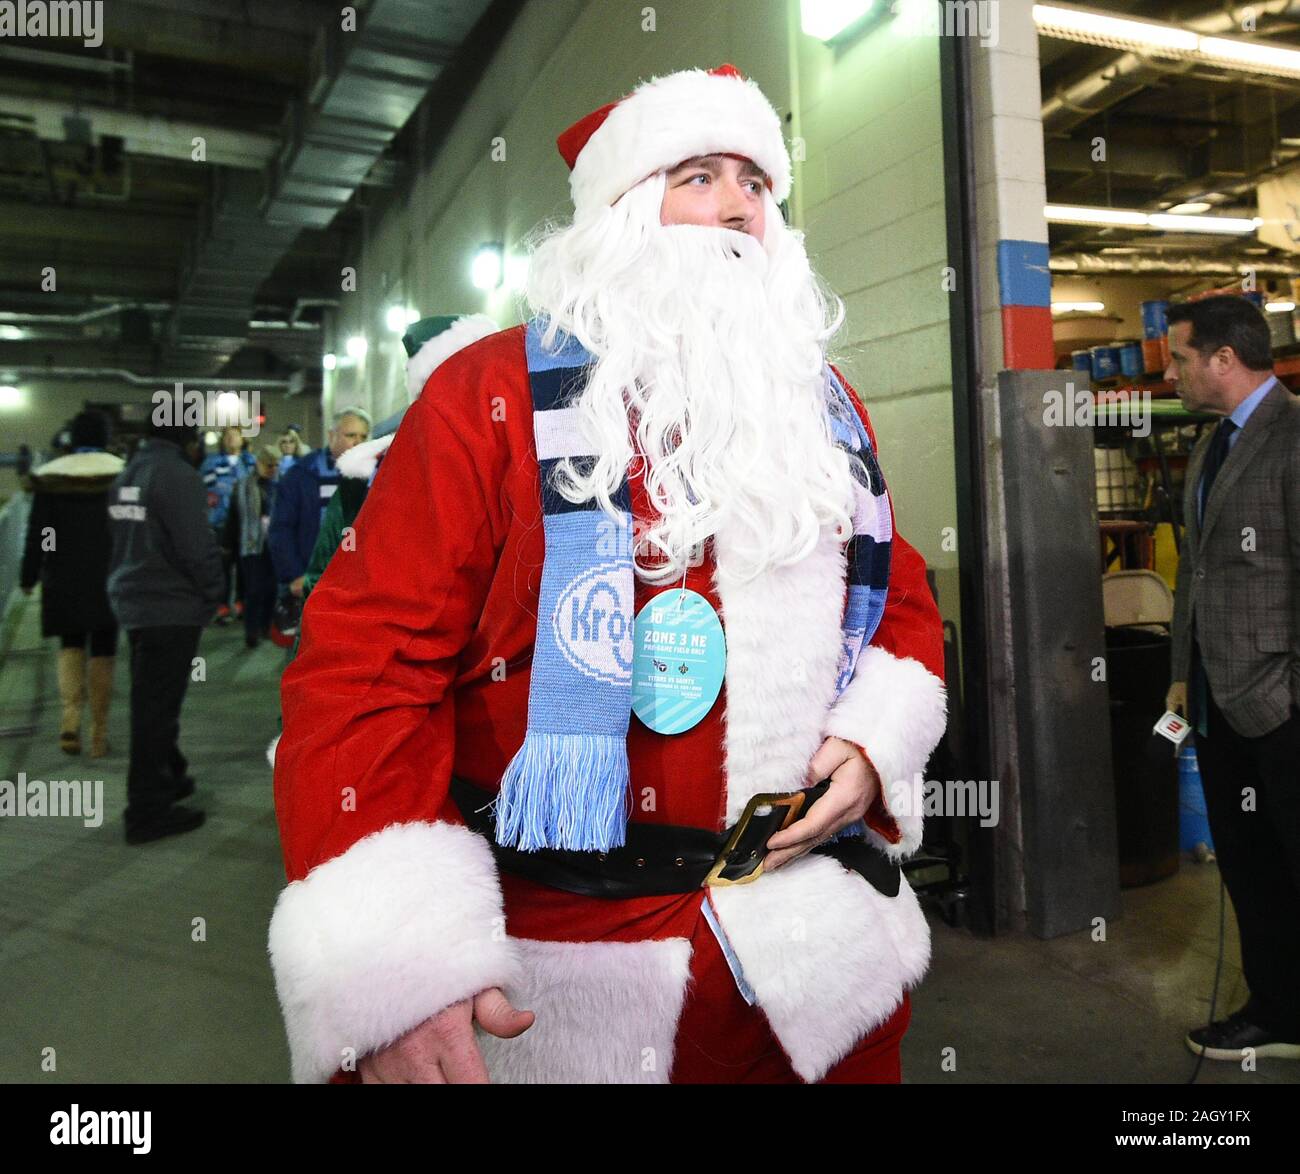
{"x":414,"y":665}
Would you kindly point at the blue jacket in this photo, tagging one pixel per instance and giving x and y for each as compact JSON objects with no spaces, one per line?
{"x":220,"y":471}
{"x":301,"y":496}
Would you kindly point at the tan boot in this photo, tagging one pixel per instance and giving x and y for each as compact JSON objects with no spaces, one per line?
{"x":72,"y":692}
{"x":100,"y":680}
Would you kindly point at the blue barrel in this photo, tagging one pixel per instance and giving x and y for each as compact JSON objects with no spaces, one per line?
{"x":1155,"y":319}
{"x":1193,"y":823}
{"x":1105,"y":362}
{"x":1081,"y":361}
{"x":1131,"y":364}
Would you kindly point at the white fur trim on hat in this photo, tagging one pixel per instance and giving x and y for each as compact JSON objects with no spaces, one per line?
{"x":668,"y":119}
{"x":360,"y":461}
{"x":442,"y":346}
{"x":372,"y":943}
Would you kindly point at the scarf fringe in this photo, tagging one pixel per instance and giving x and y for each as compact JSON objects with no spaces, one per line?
{"x":565,"y":791}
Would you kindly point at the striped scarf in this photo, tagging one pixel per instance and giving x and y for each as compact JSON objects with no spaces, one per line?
{"x":568,"y":785}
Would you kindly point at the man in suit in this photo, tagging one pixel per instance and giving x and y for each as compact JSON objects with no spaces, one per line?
{"x":1236,"y":655}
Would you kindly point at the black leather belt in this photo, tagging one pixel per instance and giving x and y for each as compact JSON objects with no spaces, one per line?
{"x":662,"y":859}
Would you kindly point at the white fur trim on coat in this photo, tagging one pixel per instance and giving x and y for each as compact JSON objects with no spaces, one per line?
{"x":441,"y":347}
{"x":896,"y":710}
{"x":372,"y":943}
{"x":669,"y":119}
{"x":360,"y":461}
{"x":270,"y":750}
{"x":607,"y":1013}
{"x":828,"y":957}
{"x":82,"y":464}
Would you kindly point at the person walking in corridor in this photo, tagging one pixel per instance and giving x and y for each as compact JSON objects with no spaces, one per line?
{"x":165,"y":584}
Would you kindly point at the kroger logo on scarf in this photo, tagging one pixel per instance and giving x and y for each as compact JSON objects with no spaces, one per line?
{"x":593,"y":624}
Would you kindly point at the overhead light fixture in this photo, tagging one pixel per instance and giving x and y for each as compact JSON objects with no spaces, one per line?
{"x":396,"y":319}
{"x":1229,"y":224}
{"x":1261,"y":58}
{"x":10,"y":333}
{"x":1189,"y":208}
{"x":1279,"y":307}
{"x":516,"y":272}
{"x":1078,"y":307}
{"x":828,"y":19}
{"x":1116,"y":31}
{"x":357,"y":347}
{"x":486,"y":269}
{"x":329,"y":360}
{"x":10,"y":397}
{"x":1074,"y":214}
{"x":1160,"y":221}
{"x":1157,"y":39}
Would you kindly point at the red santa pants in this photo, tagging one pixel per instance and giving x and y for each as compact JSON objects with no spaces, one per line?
{"x":721,"y":1039}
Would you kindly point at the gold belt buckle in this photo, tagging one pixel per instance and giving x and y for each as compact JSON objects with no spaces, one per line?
{"x":792,"y":801}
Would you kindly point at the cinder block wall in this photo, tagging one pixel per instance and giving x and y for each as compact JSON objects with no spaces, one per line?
{"x":869,"y":194}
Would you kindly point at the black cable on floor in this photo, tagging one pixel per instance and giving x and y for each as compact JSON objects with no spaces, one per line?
{"x":1218,"y":969}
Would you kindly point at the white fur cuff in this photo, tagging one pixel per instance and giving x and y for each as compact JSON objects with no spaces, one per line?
{"x":372,"y":943}
{"x":896,"y":710}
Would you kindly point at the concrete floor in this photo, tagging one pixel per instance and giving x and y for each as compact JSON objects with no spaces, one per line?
{"x":99,"y":961}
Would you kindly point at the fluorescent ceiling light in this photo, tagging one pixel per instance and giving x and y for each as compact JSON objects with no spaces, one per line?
{"x":1279,"y":307}
{"x":395,"y":319}
{"x":1163,"y":39}
{"x":357,"y":346}
{"x":1189,"y":208}
{"x":10,"y":397}
{"x":1263,"y":58}
{"x":1073,"y":214}
{"x":329,"y":360}
{"x":1078,"y":307}
{"x":1114,"y":29}
{"x":1165,"y":222}
{"x":1160,"y":221}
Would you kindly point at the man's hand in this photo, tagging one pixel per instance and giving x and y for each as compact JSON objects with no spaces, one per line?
{"x":854,"y":787}
{"x":442,"y":1050}
{"x":1176,"y":698}
{"x":295,"y":588}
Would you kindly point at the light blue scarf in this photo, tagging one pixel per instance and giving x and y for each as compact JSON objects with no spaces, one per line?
{"x":568,"y":786}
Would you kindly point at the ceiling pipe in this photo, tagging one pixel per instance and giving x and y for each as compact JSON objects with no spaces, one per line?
{"x":38,"y":372}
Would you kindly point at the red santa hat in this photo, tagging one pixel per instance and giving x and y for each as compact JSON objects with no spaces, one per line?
{"x":666,"y":120}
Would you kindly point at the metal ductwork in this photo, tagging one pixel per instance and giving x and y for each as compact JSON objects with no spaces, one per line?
{"x":1127,"y":73}
{"x":365,"y":85}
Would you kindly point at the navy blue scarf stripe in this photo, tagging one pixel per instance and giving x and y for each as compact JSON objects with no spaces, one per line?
{"x":568,"y":785}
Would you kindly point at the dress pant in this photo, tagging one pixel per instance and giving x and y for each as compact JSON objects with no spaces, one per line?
{"x":260,"y":590}
{"x":160,"y":670}
{"x":1259,"y":856}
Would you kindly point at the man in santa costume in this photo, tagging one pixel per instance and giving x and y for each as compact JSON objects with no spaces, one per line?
{"x":603,"y":746}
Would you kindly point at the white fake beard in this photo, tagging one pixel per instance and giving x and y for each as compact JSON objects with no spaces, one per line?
{"x":712,"y":344}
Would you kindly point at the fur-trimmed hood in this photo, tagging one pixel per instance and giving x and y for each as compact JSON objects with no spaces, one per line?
{"x":78,"y":472}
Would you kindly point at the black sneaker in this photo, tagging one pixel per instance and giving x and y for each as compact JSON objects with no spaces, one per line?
{"x":1229,"y":1038}
{"x":171,"y":822}
{"x":184,"y":788}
